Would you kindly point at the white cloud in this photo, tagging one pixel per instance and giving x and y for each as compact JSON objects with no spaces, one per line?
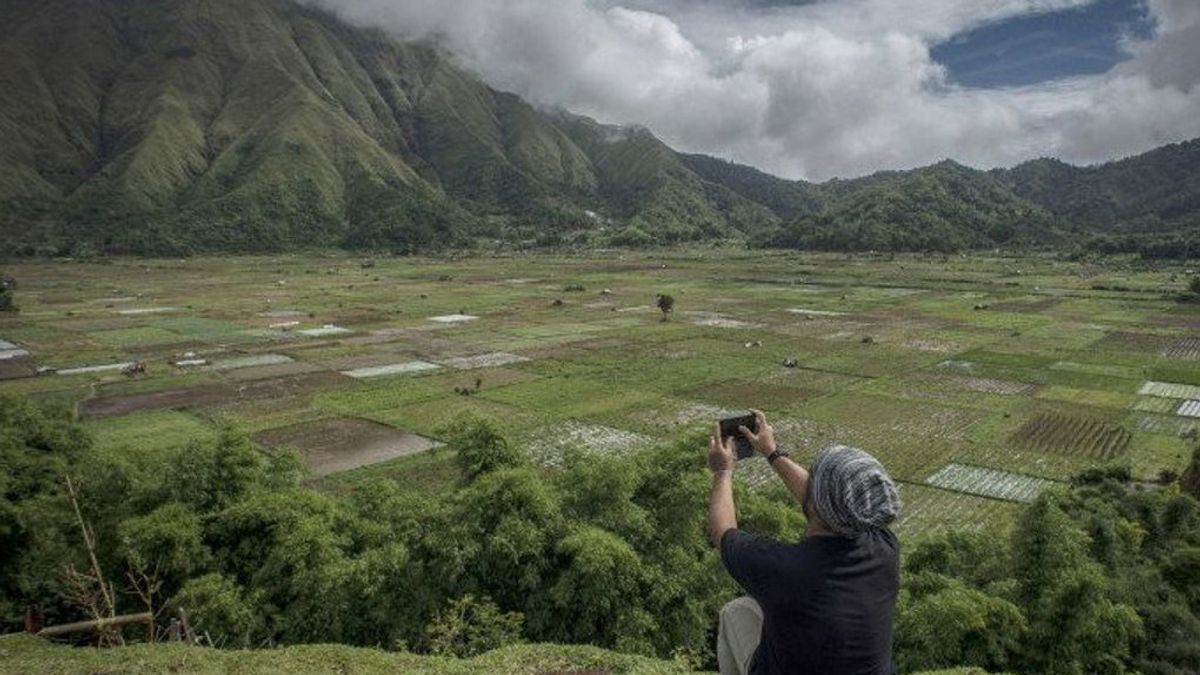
{"x":829,"y":88}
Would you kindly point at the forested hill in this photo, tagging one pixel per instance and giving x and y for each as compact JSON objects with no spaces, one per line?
{"x":189,"y":125}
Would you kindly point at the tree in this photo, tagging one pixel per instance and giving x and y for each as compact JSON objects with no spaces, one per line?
{"x":596,"y":596}
{"x":1190,"y":480}
{"x":167,"y":541}
{"x":1075,"y":625}
{"x":481,"y":445}
{"x":7,"y":286}
{"x":958,"y":626}
{"x":665,"y":304}
{"x":216,"y":605}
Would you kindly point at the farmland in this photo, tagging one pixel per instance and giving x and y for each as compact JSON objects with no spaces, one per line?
{"x":978,"y":381}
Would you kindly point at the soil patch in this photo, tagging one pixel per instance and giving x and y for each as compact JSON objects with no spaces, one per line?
{"x":16,"y":368}
{"x":190,"y":397}
{"x":1121,"y":341}
{"x":335,"y":445}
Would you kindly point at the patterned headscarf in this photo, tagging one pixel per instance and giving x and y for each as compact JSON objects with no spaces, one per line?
{"x":851,"y":492}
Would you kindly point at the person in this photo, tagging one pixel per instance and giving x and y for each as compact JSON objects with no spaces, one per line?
{"x":826,"y":604}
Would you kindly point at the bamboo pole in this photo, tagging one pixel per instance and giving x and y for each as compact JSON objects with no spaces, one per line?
{"x":95,"y":624}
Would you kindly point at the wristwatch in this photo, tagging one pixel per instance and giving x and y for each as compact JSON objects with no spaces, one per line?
{"x":776,"y":455}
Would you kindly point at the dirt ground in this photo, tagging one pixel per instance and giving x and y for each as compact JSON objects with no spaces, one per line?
{"x":12,"y":369}
{"x":335,"y":445}
{"x":207,"y":394}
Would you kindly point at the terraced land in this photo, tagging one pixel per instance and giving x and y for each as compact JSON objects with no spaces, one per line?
{"x":978,"y":381}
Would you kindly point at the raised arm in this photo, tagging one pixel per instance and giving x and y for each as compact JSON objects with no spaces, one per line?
{"x":794,"y":476}
{"x":721,"y":515}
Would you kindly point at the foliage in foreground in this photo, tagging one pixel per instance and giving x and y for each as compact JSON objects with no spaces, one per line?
{"x":1101,"y":578}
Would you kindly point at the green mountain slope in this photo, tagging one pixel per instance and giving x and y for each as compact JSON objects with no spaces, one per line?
{"x":207,"y":125}
{"x":1156,"y":191}
{"x":944,"y":207}
{"x":787,"y":198}
{"x":259,"y":124}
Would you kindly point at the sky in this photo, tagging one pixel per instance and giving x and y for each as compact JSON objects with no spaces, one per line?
{"x":817,"y":89}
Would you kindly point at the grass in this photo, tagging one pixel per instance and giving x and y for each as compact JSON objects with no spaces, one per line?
{"x":21,"y":654}
{"x":938,"y":382}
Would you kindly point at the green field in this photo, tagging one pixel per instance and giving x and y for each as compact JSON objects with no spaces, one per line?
{"x":969,"y":377}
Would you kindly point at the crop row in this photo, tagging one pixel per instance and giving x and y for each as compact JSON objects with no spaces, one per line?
{"x":1184,"y":348}
{"x":1074,"y":435}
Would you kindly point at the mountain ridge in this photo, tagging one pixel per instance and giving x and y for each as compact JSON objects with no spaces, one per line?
{"x":215,"y":125}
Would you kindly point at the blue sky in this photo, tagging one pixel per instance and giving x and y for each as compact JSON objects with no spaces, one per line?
{"x":1037,"y":48}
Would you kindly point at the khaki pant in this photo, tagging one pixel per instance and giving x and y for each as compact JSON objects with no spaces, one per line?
{"x":738,"y":636}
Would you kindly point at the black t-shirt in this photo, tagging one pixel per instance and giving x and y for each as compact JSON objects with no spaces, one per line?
{"x":828,"y":602}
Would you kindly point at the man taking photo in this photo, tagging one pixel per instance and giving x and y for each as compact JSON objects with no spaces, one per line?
{"x":824,"y":605}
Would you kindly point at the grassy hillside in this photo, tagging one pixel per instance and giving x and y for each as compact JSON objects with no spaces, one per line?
{"x":21,"y":654}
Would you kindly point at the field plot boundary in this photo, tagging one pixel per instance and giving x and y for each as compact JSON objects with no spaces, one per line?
{"x":991,"y":483}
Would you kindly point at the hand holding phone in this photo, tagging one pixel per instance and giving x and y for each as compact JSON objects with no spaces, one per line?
{"x":730,"y":428}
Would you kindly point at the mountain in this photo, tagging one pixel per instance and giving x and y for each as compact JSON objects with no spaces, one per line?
{"x":944,"y":207}
{"x":255,"y":125}
{"x":262,"y":124}
{"x":1155,"y":191}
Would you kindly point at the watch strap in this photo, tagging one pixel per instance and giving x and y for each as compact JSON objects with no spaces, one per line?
{"x":776,"y":455}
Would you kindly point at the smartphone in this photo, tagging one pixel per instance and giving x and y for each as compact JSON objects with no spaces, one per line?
{"x":729,"y":427}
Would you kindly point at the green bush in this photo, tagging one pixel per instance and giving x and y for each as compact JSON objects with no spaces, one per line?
{"x":468,"y":627}
{"x":480,"y":445}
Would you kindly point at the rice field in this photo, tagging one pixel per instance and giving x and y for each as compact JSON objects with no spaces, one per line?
{"x":974,"y":411}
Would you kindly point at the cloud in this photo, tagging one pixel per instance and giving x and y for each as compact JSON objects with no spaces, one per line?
{"x":812,"y":90}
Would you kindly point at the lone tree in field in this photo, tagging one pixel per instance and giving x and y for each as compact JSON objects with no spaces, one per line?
{"x":7,"y":286}
{"x":666,"y":304}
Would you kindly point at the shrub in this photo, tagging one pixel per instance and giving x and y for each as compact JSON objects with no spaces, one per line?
{"x":481,"y":445}
{"x":466,"y":627}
